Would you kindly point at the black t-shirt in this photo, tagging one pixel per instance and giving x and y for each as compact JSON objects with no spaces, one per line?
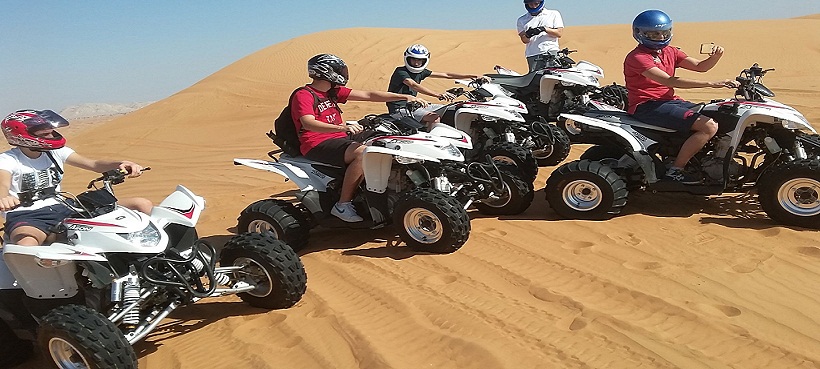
{"x":397,"y":85}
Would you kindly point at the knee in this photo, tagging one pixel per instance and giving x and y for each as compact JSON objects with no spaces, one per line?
{"x":707,"y":126}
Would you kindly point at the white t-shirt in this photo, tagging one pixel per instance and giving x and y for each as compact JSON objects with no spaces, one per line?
{"x":542,"y":42}
{"x":34,"y":174}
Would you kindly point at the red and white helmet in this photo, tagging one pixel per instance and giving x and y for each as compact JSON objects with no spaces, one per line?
{"x":19,"y":128}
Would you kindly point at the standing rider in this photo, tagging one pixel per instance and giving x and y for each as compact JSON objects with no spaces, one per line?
{"x":649,"y":72}
{"x":323,"y":134}
{"x":540,"y":30}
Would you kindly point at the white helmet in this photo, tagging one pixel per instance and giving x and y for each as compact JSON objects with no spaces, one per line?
{"x":416,"y":51}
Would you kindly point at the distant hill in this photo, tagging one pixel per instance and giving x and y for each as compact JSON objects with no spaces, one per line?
{"x":95,"y":110}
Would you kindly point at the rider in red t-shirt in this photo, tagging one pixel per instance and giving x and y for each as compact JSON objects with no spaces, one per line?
{"x":649,"y":73}
{"x":323,"y":135}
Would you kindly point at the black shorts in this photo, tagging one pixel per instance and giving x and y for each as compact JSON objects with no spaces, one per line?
{"x":331,"y":151}
{"x":44,"y":218}
{"x":679,"y":115}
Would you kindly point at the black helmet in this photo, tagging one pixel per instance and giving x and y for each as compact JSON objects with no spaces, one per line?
{"x":328,"y":67}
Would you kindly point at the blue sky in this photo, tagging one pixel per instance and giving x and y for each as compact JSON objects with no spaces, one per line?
{"x":58,"y":53}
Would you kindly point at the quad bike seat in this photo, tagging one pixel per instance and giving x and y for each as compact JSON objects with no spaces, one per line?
{"x":516,"y":81}
{"x":328,"y":169}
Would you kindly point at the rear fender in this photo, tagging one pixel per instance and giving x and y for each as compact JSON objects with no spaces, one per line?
{"x":291,"y":172}
{"x":636,"y":141}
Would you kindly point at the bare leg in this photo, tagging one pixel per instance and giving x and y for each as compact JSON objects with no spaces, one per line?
{"x":705,"y":128}
{"x":27,"y":236}
{"x":354,"y":174}
{"x":139,"y":204}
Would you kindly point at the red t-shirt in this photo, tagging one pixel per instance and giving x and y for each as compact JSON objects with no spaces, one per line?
{"x":302,"y":104}
{"x":642,"y":59}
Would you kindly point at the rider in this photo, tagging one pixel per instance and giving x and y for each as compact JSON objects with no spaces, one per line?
{"x":407,"y":80}
{"x":649,"y":72}
{"x":540,"y":30}
{"x":326,"y":137}
{"x":36,"y":163}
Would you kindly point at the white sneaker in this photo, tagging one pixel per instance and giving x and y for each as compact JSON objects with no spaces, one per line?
{"x":346,"y":211}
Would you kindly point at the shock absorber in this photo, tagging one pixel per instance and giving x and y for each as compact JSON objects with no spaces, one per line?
{"x":131,"y":295}
{"x":199,"y":266}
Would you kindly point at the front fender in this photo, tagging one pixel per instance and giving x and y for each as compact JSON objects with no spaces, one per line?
{"x":769,"y":115}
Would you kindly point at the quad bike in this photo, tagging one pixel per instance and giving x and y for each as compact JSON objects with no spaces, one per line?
{"x":494,"y":126}
{"x":760,"y":144}
{"x":417,"y":181}
{"x":564,"y":86}
{"x":114,"y":274}
{"x":548,"y":144}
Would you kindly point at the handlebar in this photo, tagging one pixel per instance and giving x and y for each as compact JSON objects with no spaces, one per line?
{"x":750,"y":85}
{"x":114,"y":176}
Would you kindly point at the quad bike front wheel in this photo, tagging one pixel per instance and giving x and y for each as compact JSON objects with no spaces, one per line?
{"x":790,"y":193}
{"x":514,"y":154}
{"x":430,"y":220}
{"x":548,"y":153}
{"x":584,"y":189}
{"x":75,"y":336}
{"x":282,"y":219}
{"x":515,"y":197}
{"x":268,"y":264}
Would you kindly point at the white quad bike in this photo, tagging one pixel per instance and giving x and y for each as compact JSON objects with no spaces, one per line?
{"x":418,"y":182}
{"x":760,"y":144}
{"x":563,"y":86}
{"x":494,"y":126}
{"x":548,"y":144}
{"x":114,"y":274}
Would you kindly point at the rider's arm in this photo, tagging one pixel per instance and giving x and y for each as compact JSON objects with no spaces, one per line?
{"x":452,"y":75}
{"x":310,"y":123}
{"x":99,"y":166}
{"x":383,"y":96}
{"x":658,"y":75}
{"x":704,"y":65}
{"x":7,"y":201}
{"x":418,"y":87}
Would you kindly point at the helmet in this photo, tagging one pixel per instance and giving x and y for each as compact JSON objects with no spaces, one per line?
{"x":19,"y":128}
{"x":416,"y":51}
{"x":537,"y":9}
{"x":653,"y":29}
{"x":328,"y":67}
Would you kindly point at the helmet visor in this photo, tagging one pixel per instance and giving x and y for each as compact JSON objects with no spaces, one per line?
{"x":662,"y":35}
{"x":415,"y":62}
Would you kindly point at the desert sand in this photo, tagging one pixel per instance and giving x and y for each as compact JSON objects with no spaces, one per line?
{"x":676,"y":281}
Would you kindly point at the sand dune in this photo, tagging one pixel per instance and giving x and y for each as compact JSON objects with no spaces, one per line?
{"x":676,"y":281}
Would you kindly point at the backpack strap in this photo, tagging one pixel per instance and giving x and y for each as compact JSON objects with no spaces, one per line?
{"x":57,"y":165}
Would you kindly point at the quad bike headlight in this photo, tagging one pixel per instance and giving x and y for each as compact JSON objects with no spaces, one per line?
{"x":453,"y":150}
{"x":488,"y":118}
{"x":147,"y":237}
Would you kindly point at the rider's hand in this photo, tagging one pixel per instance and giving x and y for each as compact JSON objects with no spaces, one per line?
{"x":447,"y":96}
{"x":532,"y":32}
{"x":9,"y":202}
{"x":717,"y":51}
{"x":133,"y":169}
{"x":353,"y":129}
{"x":727,"y":83}
{"x":417,"y":100}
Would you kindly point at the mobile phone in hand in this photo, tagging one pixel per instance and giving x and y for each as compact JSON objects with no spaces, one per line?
{"x":707,"y":48}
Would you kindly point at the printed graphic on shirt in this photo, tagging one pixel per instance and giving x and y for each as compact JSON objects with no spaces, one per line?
{"x":40,"y":179}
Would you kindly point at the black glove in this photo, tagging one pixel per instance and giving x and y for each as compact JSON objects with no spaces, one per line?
{"x":534,"y":31}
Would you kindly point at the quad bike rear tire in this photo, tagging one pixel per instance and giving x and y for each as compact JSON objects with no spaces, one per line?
{"x":789,"y":193}
{"x":282,"y":219}
{"x":555,"y":152}
{"x":584,"y":189}
{"x":270,"y":265}
{"x":516,"y":197}
{"x":74,"y":335}
{"x":431,"y":221}
{"x":515,"y":154}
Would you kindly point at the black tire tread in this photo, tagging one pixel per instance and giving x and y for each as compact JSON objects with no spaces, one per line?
{"x":526,"y":163}
{"x":294,"y":224}
{"x":770,"y":182}
{"x":616,"y":183}
{"x":560,"y":147}
{"x":455,"y":215}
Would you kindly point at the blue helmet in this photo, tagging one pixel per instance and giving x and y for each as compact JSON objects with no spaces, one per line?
{"x":652,"y":29}
{"x":537,"y":9}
